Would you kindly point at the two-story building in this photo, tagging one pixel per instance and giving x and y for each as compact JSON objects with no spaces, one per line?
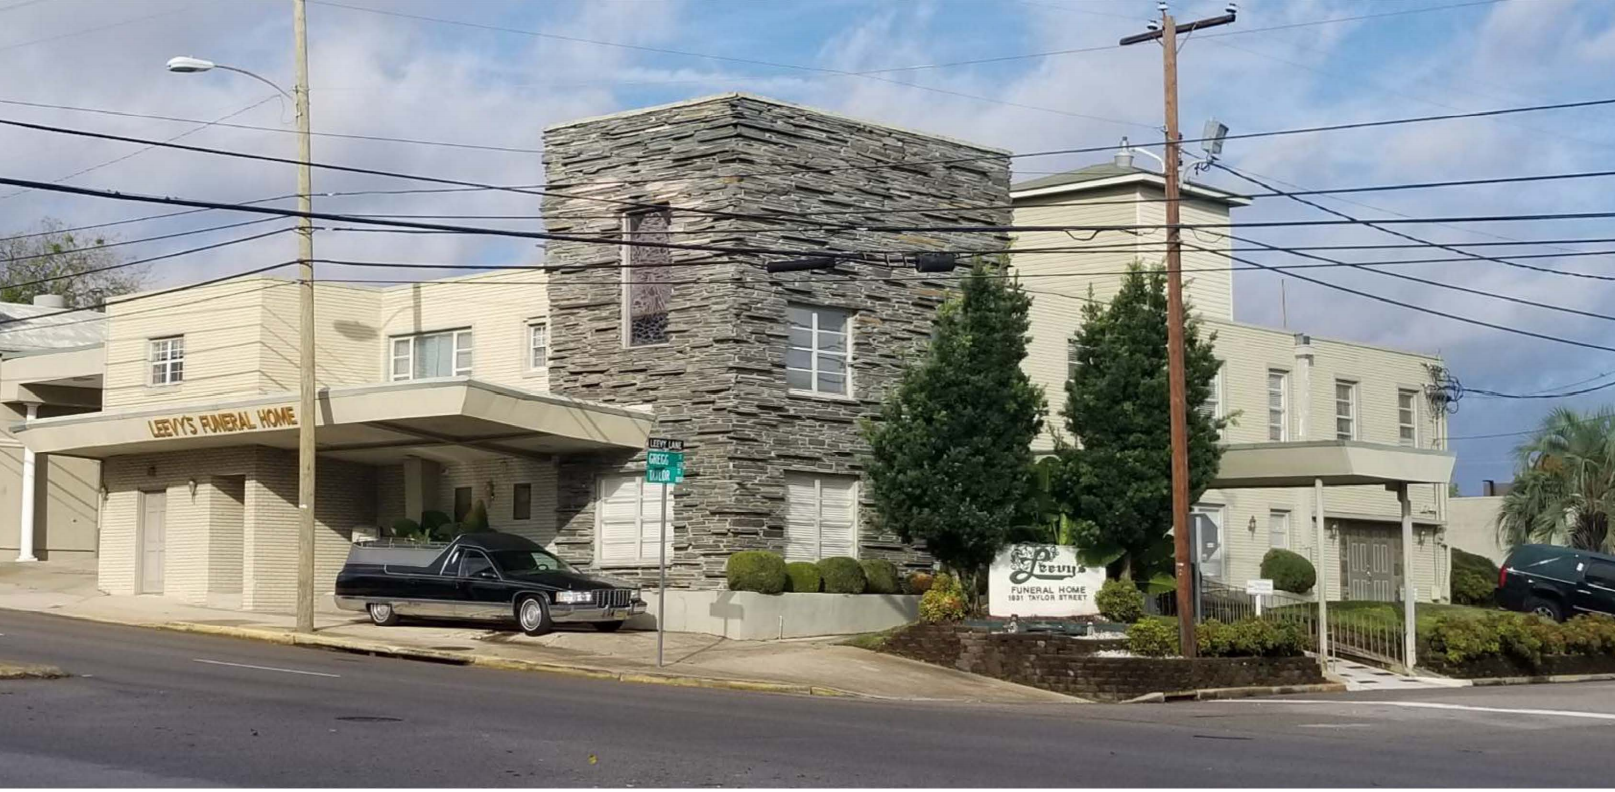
{"x":1276,"y":386}
{"x":533,"y":390}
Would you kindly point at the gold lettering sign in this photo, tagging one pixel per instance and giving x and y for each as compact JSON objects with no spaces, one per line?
{"x":223,"y":422}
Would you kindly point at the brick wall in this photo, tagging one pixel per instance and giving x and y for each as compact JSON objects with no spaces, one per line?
{"x":1068,"y":665}
{"x":720,"y":383}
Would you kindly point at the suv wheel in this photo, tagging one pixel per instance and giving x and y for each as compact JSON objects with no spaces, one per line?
{"x":1546,"y":608}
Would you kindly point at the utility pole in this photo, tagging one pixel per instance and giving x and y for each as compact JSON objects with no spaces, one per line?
{"x":305,"y":290}
{"x":1184,"y":566}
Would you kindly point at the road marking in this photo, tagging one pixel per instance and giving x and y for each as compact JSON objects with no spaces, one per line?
{"x":266,"y":668}
{"x":1435,"y":706}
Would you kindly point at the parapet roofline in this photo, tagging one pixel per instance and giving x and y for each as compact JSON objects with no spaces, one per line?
{"x":723,"y":97}
{"x":1140,"y":177}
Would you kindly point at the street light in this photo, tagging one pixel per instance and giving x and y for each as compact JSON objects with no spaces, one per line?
{"x":305,"y":235}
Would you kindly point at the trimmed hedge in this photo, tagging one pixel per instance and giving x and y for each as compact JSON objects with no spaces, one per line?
{"x":803,"y":577}
{"x":1526,"y":639}
{"x":881,"y":576}
{"x":1474,"y":578}
{"x":1289,"y":571}
{"x":1251,"y":637}
{"x":917,"y":582}
{"x":757,"y":570}
{"x":843,"y":575}
{"x":1120,"y":601}
{"x":943,"y":601}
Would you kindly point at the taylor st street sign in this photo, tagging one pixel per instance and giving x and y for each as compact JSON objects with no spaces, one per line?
{"x":664,"y":461}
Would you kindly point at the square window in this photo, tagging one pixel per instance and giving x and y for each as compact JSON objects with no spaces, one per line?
{"x":427,"y":355}
{"x":167,"y":359}
{"x":628,"y":521}
{"x":821,"y":516}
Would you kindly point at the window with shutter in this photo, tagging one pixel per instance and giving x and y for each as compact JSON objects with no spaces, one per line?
{"x":821,"y":516}
{"x":628,"y":521}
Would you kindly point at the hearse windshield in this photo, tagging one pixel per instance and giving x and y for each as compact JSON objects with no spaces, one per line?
{"x":518,"y":561}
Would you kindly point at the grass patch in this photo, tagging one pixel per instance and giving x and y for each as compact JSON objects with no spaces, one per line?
{"x":872,"y":641}
{"x":30,"y":672}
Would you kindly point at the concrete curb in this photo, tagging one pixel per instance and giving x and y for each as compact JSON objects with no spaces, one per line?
{"x":359,"y":646}
{"x":1540,"y":680}
{"x":1212,"y":694}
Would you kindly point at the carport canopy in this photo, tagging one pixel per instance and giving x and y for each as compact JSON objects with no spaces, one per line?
{"x":451,"y":419}
{"x":1331,"y":462}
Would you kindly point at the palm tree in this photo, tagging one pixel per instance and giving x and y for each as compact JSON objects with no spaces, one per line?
{"x":1564,"y":485}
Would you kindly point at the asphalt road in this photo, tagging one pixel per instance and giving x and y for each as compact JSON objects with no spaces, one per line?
{"x":153,"y":708}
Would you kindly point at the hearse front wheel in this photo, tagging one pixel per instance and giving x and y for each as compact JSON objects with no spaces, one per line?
{"x":533,"y":616}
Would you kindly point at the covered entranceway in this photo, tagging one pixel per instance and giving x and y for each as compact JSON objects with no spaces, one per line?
{"x":1372,"y":558}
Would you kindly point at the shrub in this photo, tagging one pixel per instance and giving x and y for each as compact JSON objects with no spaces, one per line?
{"x":943,"y":601}
{"x":1474,"y":578}
{"x":803,"y":577}
{"x":757,"y":570}
{"x":918,"y":582}
{"x":405,"y":528}
{"x":1289,"y":571}
{"x":477,"y":520}
{"x":1120,"y":601}
{"x":842,"y":575}
{"x":881,"y":576}
{"x":1590,"y":634}
{"x":1250,"y":637}
{"x":1154,"y":637}
{"x":1461,"y":640}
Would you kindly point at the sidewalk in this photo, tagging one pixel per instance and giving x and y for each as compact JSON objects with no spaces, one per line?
{"x":804,"y":666}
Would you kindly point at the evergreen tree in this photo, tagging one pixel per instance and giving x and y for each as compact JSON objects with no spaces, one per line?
{"x":1116,"y":480}
{"x":951,"y":461}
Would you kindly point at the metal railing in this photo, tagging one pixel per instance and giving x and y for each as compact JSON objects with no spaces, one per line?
{"x":1368,"y":631}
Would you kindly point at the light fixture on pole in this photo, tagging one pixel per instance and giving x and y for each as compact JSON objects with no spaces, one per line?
{"x":306,"y":415}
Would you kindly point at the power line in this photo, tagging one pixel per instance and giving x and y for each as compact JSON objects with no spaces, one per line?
{"x":1563,"y":395}
{"x":104,"y":304}
{"x":1420,"y":308}
{"x":748,"y":61}
{"x":124,"y":264}
{"x":258,"y":128}
{"x":138,"y":152}
{"x":87,"y":31}
{"x":121,"y":243}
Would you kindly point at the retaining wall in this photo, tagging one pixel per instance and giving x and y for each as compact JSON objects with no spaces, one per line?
{"x":1069,"y":665}
{"x":749,"y":616}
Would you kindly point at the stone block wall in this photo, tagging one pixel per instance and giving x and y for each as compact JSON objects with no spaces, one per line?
{"x":1069,"y":665}
{"x":726,"y":166}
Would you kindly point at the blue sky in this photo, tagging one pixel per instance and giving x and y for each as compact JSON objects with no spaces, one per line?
{"x":387,"y":75}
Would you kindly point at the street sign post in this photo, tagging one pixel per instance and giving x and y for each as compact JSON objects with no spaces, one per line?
{"x":664,"y":465}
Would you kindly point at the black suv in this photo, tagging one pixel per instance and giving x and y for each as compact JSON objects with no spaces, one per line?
{"x":1556,"y":582}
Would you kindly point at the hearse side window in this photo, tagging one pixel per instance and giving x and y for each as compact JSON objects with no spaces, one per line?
{"x":474,"y":564}
{"x":452,"y":564}
{"x":1601,"y":573}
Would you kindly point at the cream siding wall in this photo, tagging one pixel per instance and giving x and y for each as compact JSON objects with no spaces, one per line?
{"x":1472,"y":526}
{"x":65,"y":503}
{"x":346,"y":335}
{"x":185,"y":571}
{"x":224,"y":354}
{"x":493,"y":482}
{"x":504,"y":303}
{"x":1208,"y":284}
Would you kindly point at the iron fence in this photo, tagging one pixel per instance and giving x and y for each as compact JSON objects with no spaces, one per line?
{"x":1368,"y":631}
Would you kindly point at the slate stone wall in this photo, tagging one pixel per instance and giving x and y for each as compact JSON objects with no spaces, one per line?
{"x":727,"y":166}
{"x":1068,"y":665}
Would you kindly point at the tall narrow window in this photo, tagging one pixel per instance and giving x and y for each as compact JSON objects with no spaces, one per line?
{"x":462,"y":503}
{"x":1407,"y":412}
{"x":445,"y":354}
{"x":647,"y":290}
{"x":816,"y":352}
{"x":538,"y":346}
{"x":1278,"y":529}
{"x":820,"y":516}
{"x":1278,"y":396}
{"x":1073,"y":358}
{"x":521,"y":502}
{"x":1212,"y":406}
{"x":1345,"y":410}
{"x":167,"y":358}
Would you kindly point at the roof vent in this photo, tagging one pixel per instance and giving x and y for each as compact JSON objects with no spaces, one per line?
{"x":50,"y":301}
{"x":1124,"y":156}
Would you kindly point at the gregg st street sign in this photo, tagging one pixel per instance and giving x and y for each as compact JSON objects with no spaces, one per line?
{"x":664,"y":461}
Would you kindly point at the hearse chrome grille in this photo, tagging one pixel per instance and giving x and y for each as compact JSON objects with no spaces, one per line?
{"x":613,"y":598}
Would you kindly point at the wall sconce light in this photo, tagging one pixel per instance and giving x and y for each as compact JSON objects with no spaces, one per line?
{"x":1252,"y":525}
{"x":151,"y":470}
{"x":490,"y":490}
{"x":192,"y":484}
{"x":1333,"y":528}
{"x":103,"y":490}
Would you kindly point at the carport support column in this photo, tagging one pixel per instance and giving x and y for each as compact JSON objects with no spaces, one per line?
{"x":25,"y":521}
{"x":1409,"y":622}
{"x":1323,"y":581}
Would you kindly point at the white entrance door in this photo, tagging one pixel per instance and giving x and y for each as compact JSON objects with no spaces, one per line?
{"x":153,"y":530}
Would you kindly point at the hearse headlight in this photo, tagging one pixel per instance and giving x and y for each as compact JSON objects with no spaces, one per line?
{"x":574,"y":597}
